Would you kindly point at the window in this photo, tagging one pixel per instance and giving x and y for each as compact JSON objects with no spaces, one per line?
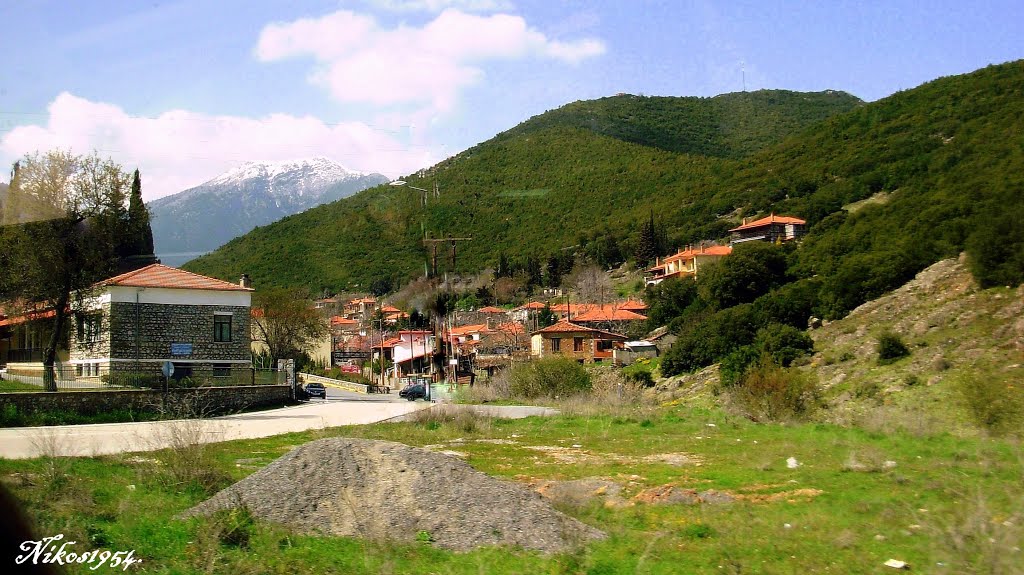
{"x":577,"y":344}
{"x":556,"y":344}
{"x":604,"y":345}
{"x":221,"y":370}
{"x":88,"y":328}
{"x":222,"y":328}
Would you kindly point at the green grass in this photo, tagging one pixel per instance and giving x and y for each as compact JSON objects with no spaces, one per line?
{"x":863,"y":512}
{"x":11,"y":385}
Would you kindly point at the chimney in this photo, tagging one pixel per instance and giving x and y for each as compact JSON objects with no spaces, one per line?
{"x":245,"y":281}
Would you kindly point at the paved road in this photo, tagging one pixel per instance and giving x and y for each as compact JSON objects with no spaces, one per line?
{"x":107,"y":438}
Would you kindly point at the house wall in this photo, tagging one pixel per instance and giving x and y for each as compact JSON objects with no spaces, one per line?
{"x":566,"y":346}
{"x":156,"y":326}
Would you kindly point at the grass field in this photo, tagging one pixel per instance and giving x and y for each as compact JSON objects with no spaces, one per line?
{"x":856,"y":499}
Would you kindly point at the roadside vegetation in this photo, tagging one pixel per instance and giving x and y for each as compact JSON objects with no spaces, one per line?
{"x":792,"y":498}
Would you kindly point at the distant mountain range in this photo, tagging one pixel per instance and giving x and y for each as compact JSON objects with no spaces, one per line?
{"x":200,"y":219}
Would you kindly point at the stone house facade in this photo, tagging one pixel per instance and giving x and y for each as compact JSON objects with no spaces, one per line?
{"x":138,"y":321}
{"x":566,"y":339}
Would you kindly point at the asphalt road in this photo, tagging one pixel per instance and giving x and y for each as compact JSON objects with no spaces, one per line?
{"x":340,"y":408}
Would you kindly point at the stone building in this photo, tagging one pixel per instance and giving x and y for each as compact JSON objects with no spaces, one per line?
{"x":581,"y":343}
{"x":137,"y":321}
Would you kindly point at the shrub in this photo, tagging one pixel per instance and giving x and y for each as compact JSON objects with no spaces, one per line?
{"x":995,"y":405}
{"x":553,"y":376}
{"x":890,"y":348}
{"x":710,"y":340}
{"x":780,"y":343}
{"x":769,"y":392}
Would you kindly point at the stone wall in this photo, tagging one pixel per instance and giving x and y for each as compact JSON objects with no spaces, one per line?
{"x":160,"y":325}
{"x":208,"y":400}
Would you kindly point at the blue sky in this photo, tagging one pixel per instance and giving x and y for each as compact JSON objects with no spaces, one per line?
{"x":187,"y":89}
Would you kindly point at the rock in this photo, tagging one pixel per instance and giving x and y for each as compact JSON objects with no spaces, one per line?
{"x":897,"y":564}
{"x":385,"y":490}
{"x":792,"y":463}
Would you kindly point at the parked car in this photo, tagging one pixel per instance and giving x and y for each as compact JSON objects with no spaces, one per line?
{"x":314,"y":389}
{"x":414,"y":391}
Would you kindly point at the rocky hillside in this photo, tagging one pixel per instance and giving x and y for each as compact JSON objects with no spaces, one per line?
{"x":966,"y":347}
{"x":964,"y":372}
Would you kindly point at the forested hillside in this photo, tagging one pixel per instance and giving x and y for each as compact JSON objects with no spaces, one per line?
{"x":726,"y":126}
{"x":943,"y":163}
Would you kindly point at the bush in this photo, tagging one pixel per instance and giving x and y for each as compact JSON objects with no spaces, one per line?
{"x":779,"y":343}
{"x":997,"y":406}
{"x":769,"y":392}
{"x":553,"y":376}
{"x":710,"y":340}
{"x":890,"y":348}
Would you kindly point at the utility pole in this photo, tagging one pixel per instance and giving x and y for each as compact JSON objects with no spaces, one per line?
{"x":432,"y":242}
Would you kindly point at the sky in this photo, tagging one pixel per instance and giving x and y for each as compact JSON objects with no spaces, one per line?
{"x":184,"y":90}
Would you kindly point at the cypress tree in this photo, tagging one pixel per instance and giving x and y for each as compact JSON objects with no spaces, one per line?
{"x":140,"y":233}
{"x":647,"y":245}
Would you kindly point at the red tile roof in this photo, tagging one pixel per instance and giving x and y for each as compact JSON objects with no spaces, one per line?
{"x":532,"y":305}
{"x":633,"y":305}
{"x":338,"y":320}
{"x":468,"y":329}
{"x":569,"y":327}
{"x":701,"y":251}
{"x":608,"y":313}
{"x":767,"y":220}
{"x":491,"y":309}
{"x":29,"y":316}
{"x":161,"y":276}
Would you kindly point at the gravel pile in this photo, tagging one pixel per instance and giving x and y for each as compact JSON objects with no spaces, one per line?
{"x":385,"y":490}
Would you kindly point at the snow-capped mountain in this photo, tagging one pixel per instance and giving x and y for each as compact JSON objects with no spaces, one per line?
{"x":202,"y":218}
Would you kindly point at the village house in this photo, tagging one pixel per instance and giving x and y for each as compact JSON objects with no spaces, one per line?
{"x":584,"y":344}
{"x":137,"y":321}
{"x":23,"y":335}
{"x":769,"y":229}
{"x":609,"y":317}
{"x":686,"y":263}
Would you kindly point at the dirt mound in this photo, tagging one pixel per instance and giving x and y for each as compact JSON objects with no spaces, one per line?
{"x":385,"y":490}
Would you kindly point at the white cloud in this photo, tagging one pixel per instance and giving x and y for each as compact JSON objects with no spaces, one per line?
{"x":357,"y":60}
{"x":180,"y":149}
{"x":439,"y":5}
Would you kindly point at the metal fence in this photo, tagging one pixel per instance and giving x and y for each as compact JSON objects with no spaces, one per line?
{"x":75,"y":378}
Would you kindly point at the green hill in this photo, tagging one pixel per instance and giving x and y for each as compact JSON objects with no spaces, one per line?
{"x":948,"y":154}
{"x":726,"y":126}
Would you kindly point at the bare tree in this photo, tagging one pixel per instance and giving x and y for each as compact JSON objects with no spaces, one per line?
{"x":591,"y":284}
{"x":285,"y":321}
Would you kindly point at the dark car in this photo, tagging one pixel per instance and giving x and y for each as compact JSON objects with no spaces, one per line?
{"x":314,"y":389}
{"x":414,"y":391}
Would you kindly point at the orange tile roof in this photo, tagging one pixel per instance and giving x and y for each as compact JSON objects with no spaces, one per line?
{"x":633,"y":305}
{"x":532,"y":305}
{"x":491,"y":309}
{"x":511,"y":328}
{"x":608,"y":313}
{"x":573,"y":307}
{"x":564,"y":326}
{"x":29,"y":316}
{"x":161,"y":276}
{"x":338,"y":320}
{"x":468,"y":329}
{"x":771,"y":219}
{"x":702,"y":251}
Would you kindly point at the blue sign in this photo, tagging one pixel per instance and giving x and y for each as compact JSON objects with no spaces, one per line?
{"x":181,"y":349}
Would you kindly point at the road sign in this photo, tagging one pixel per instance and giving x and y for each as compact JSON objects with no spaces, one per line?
{"x":167,"y":369}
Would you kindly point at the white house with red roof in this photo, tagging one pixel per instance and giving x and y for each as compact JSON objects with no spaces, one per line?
{"x":686,"y":263}
{"x":137,"y":321}
{"x":771,"y":228}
